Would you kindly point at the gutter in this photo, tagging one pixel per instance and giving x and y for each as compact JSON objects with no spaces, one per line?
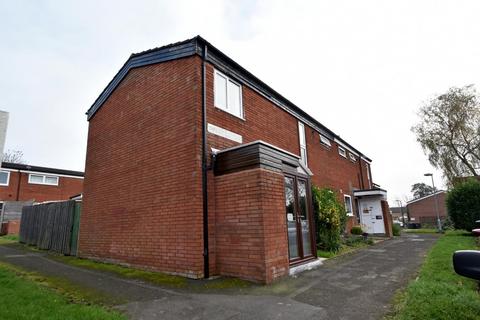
{"x":206,"y":267}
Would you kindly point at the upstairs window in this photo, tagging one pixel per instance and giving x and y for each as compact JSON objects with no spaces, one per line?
{"x":342,"y":151}
{"x":325,"y":141}
{"x":352,"y":157}
{"x":303,"y":143}
{"x":4,"y":178}
{"x":348,"y":205}
{"x":228,"y":94}
{"x":34,"y":178}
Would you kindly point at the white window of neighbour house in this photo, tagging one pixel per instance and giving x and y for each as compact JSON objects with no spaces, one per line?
{"x":325,"y":141}
{"x":35,"y":178}
{"x":4,"y":178}
{"x":227,"y":94}
{"x":303,"y":143}
{"x":348,"y":205}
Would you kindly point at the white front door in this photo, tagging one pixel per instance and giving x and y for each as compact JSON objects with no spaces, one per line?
{"x":371,"y":215}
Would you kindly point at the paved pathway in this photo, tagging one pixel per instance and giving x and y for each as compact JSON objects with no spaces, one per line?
{"x":355,"y":286}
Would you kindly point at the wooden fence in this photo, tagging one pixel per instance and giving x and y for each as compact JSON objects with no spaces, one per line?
{"x":51,"y":226}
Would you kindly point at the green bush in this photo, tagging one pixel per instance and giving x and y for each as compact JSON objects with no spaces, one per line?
{"x":357,"y":230}
{"x":330,"y":218}
{"x":396,"y":229}
{"x":463,"y":204}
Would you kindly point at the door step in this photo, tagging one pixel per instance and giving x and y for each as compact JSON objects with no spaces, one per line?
{"x":306,"y":266}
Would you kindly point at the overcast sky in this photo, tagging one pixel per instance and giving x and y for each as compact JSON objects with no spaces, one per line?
{"x":362,"y":68}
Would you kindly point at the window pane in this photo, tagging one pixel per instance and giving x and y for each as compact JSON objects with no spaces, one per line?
{"x":220,"y":91}
{"x":302,"y":199}
{"x":291,"y":218}
{"x":303,"y":155}
{"x":3,"y":177}
{"x":234,"y":99}
{"x":348,"y":204}
{"x":51,"y":180}
{"x":36,"y":178}
{"x":301,"y":134}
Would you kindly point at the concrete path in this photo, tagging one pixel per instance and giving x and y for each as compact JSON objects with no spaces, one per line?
{"x":355,"y":286}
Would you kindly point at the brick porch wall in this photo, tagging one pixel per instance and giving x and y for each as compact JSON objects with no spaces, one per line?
{"x":250,"y":228}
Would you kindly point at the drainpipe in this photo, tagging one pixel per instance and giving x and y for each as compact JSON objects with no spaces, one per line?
{"x":18,"y":186}
{"x":206,"y":269}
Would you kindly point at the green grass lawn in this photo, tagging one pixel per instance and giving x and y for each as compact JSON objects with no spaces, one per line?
{"x":22,"y":298}
{"x":420,"y":230}
{"x":438,"y":292}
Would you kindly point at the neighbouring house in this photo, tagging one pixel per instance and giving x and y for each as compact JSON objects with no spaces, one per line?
{"x":423,"y":210}
{"x":399,"y":213}
{"x":196,"y":167}
{"x":22,"y":184}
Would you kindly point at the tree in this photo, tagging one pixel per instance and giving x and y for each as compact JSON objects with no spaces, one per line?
{"x":463,"y":204}
{"x":449,"y":132}
{"x":13,"y":156}
{"x":420,"y":190}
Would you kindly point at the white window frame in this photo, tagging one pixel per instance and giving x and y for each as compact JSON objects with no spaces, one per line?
{"x":368,"y":175}
{"x":325,"y":141}
{"x":8,"y":178}
{"x":226,"y":109}
{"x":345,"y":196}
{"x":44,"y":179}
{"x":342,"y":151}
{"x":352,"y":157}
{"x":303,"y":145}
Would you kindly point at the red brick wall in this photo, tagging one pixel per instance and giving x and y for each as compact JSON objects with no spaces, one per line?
{"x":426,"y":208}
{"x":142,"y":200}
{"x":66,"y":188}
{"x":251,"y":235}
{"x":265,"y":121}
{"x":10,"y":227}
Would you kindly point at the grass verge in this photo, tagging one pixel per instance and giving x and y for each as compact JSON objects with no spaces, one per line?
{"x":29,"y":296}
{"x":155,"y":277}
{"x":125,"y":272}
{"x":349,"y":245}
{"x":8,"y":239}
{"x":420,"y":230}
{"x":438,"y":292}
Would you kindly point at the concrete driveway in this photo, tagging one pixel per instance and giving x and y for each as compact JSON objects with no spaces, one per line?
{"x":355,"y":286}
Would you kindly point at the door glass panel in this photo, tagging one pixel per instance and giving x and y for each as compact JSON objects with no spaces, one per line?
{"x":291,"y":218}
{"x":305,"y":225}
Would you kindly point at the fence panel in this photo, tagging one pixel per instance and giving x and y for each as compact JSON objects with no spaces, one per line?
{"x":51,"y":226}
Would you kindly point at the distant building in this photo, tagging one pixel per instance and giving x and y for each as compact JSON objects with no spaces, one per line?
{"x":397,"y":213}
{"x":422,"y":210}
{"x":21,"y":182}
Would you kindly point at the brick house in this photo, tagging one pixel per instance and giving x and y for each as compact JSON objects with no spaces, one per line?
{"x":196,"y":167}
{"x":22,"y":184}
{"x":422,"y":210}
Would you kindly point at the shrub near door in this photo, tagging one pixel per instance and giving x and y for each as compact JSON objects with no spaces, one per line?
{"x":330,"y":218}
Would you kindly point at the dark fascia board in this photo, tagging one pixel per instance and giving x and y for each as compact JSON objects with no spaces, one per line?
{"x":257,"y":154}
{"x":225,"y":64}
{"x":26,"y":167}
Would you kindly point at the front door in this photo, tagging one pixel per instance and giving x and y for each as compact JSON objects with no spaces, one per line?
{"x":372,"y":216}
{"x":299,"y":224}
